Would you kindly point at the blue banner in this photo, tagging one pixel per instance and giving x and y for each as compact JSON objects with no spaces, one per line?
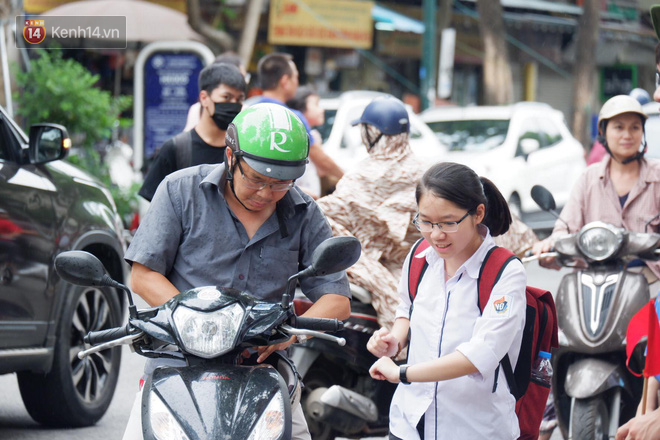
{"x":170,"y":88}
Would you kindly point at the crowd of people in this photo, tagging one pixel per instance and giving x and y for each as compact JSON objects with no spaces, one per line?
{"x":239,"y":195}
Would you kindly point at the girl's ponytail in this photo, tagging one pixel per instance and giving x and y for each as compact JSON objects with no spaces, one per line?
{"x":498,"y":216}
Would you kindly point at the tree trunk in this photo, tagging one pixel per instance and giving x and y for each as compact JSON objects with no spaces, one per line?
{"x":249,"y":34}
{"x":583,"y":71}
{"x":498,"y":79}
{"x":217,"y":37}
{"x":444,"y":15}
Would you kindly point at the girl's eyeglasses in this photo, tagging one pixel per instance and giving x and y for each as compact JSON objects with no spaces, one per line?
{"x":448,"y":227}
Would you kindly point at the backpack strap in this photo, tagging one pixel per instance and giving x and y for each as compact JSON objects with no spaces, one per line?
{"x":491,"y":270}
{"x":416,"y":268}
{"x":183,"y":149}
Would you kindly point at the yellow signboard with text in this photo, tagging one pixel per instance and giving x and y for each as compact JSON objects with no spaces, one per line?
{"x":41,"y":6}
{"x":327,"y":23}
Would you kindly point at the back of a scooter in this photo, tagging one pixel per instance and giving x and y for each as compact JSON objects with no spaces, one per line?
{"x":222,"y":402}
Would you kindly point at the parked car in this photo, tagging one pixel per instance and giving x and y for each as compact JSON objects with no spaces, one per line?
{"x":652,"y":128}
{"x":342,"y":141}
{"x":516,"y":146}
{"x":48,"y":206}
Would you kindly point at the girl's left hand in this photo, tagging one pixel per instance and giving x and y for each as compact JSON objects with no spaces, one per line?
{"x":385,"y":369}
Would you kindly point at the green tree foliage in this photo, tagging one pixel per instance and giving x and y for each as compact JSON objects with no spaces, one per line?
{"x":63,"y":91}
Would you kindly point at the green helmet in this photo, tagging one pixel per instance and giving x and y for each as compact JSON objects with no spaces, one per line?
{"x":271,"y":139}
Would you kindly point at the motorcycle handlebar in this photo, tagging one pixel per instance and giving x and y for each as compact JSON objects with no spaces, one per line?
{"x":102,"y":336}
{"x":319,"y":324}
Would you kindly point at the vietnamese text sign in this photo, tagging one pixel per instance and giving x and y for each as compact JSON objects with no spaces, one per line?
{"x":327,"y":23}
{"x":171,"y":87}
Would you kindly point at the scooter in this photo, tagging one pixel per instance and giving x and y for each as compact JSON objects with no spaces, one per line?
{"x":340,"y":399}
{"x":593,"y":391}
{"x":215,"y":393}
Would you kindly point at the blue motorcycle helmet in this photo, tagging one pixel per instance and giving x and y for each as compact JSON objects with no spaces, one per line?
{"x":641,"y":95}
{"x":387,"y":114}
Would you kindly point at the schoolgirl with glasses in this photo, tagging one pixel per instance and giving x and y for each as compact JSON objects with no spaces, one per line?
{"x":447,"y":387}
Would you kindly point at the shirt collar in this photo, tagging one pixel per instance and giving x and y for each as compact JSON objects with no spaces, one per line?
{"x":473,"y":264}
{"x":645,"y":172}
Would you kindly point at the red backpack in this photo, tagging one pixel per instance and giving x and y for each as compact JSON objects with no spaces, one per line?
{"x":539,"y":334}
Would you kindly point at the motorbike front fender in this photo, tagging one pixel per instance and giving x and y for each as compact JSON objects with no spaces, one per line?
{"x":215,"y":401}
{"x":590,"y":377}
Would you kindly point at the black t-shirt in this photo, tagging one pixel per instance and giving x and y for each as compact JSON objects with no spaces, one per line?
{"x":164,"y":162}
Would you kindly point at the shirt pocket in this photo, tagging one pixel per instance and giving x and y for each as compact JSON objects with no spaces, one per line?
{"x":275,"y":266}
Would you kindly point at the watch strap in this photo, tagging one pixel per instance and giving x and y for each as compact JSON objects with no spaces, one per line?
{"x":403,"y":369}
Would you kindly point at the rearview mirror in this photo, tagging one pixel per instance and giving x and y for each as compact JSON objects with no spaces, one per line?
{"x":528,"y":146}
{"x":82,"y":268}
{"x":335,"y":254}
{"x":543,"y":198}
{"x":48,"y":142}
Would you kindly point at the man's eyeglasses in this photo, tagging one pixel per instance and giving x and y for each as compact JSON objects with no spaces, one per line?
{"x":448,"y":227}
{"x":258,"y":185}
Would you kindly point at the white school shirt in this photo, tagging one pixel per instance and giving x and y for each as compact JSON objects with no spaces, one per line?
{"x":446,"y":318}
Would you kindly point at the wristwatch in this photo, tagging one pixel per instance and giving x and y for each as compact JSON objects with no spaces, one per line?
{"x":301,"y":339}
{"x":402,"y":374}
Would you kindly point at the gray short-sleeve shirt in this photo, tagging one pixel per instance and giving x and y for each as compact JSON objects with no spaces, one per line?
{"x":191,"y":236}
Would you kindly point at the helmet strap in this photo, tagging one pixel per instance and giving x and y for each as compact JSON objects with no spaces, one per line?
{"x":639,"y":155}
{"x":230,"y":179}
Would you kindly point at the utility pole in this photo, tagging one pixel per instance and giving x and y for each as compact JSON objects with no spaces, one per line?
{"x":427,"y":71}
{"x":249,"y":34}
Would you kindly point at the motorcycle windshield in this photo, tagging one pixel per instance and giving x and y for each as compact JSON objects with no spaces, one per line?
{"x":216,"y":401}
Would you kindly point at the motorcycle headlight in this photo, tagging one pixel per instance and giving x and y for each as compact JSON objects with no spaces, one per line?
{"x":270,"y":425}
{"x":208,"y":334}
{"x":598,"y":241}
{"x":163,"y":423}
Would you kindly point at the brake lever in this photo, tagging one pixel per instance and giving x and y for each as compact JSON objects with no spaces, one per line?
{"x":539,"y":256}
{"x":296,"y":331}
{"x":110,"y":344}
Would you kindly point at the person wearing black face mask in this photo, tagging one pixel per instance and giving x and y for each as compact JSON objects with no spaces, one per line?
{"x":222,"y":89}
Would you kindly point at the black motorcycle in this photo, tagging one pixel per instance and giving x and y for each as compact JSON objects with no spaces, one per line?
{"x":215,"y":393}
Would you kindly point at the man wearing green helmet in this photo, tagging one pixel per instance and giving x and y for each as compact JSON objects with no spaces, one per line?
{"x":241,"y":224}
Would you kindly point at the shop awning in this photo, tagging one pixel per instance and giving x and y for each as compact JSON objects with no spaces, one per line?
{"x":389,"y":20}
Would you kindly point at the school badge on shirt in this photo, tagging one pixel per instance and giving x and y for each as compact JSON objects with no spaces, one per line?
{"x":502,"y":306}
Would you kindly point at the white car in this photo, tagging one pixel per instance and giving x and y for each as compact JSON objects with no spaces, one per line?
{"x":343,"y":143}
{"x":516,"y":146}
{"x":652,"y":128}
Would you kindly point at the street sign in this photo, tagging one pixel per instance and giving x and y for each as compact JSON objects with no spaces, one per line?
{"x":166,"y":75}
{"x":170,"y":89}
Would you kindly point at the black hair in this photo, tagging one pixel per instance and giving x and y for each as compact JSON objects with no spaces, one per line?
{"x":460,"y":185}
{"x":214,"y":75}
{"x":657,"y":54}
{"x":272,"y":68}
{"x":299,"y":102}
